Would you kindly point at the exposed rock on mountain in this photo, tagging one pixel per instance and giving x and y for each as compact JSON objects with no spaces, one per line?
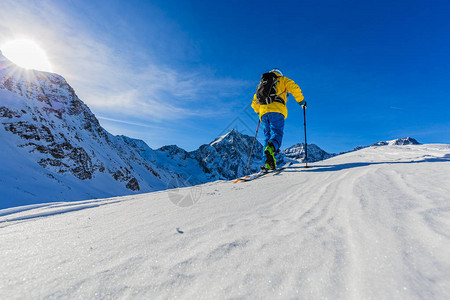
{"x":398,"y":142}
{"x":41,"y":115}
{"x":297,"y":152}
{"x":224,"y":158}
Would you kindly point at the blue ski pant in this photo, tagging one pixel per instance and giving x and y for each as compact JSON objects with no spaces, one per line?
{"x":273,"y":125}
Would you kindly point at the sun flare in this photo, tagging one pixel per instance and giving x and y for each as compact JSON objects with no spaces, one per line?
{"x":26,"y":54}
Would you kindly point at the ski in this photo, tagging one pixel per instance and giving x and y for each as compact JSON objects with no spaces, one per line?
{"x":250,"y":177}
{"x":262,"y":173}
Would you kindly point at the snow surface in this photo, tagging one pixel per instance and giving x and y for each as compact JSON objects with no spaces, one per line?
{"x":370,"y":224}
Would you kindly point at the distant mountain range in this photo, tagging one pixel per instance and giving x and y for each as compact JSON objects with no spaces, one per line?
{"x":53,"y":145}
{"x":297,"y":153}
{"x":397,"y":142}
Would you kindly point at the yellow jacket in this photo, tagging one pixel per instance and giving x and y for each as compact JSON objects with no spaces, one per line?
{"x":284,"y":86}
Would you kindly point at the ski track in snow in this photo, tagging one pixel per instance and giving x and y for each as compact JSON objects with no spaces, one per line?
{"x":371,"y":224}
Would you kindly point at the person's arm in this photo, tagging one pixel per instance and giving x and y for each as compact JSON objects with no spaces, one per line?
{"x":294,"y":89}
{"x":255,"y":104}
{"x":303,"y":103}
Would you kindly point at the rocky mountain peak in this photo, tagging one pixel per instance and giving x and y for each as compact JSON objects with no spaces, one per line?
{"x":231,"y":137}
{"x":297,"y":152}
{"x":398,"y":142}
{"x":405,"y":141}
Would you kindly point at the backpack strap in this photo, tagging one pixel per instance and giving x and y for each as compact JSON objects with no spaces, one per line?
{"x":279,"y":99}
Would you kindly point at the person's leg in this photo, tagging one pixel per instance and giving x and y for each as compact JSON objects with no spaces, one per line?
{"x":269,"y":147}
{"x":276,"y":129}
{"x":266,"y":127}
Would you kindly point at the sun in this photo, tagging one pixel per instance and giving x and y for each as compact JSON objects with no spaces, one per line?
{"x":27,"y":54}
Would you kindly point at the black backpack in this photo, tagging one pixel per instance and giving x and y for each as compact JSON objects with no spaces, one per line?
{"x":266,"y":92}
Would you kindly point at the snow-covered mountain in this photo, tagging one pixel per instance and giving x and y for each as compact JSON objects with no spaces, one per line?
{"x":227,"y":156}
{"x":372,"y":224}
{"x":399,"y":142}
{"x":315,"y":153}
{"x":224,"y":158}
{"x":51,"y":141}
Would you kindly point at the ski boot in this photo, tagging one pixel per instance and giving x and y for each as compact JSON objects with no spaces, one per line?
{"x":271,"y":163}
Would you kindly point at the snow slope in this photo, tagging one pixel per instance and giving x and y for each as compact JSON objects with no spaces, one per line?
{"x":370,"y":224}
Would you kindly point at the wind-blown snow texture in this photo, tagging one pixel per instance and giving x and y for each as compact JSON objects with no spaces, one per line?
{"x":370,"y":224}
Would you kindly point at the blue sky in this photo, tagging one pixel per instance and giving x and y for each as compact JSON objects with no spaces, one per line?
{"x":183,"y":72}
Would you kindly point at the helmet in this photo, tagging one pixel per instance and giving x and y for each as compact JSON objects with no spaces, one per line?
{"x":277,"y":71}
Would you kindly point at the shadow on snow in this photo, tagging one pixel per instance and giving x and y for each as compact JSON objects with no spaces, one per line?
{"x":339,"y":167}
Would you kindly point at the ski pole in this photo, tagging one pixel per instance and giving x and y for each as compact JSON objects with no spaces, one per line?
{"x":306,"y":143}
{"x":253,"y":145}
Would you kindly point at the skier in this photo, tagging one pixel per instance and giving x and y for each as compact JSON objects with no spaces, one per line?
{"x":269,"y":102}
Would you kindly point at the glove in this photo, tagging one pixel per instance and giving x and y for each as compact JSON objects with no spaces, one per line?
{"x":302,"y":104}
